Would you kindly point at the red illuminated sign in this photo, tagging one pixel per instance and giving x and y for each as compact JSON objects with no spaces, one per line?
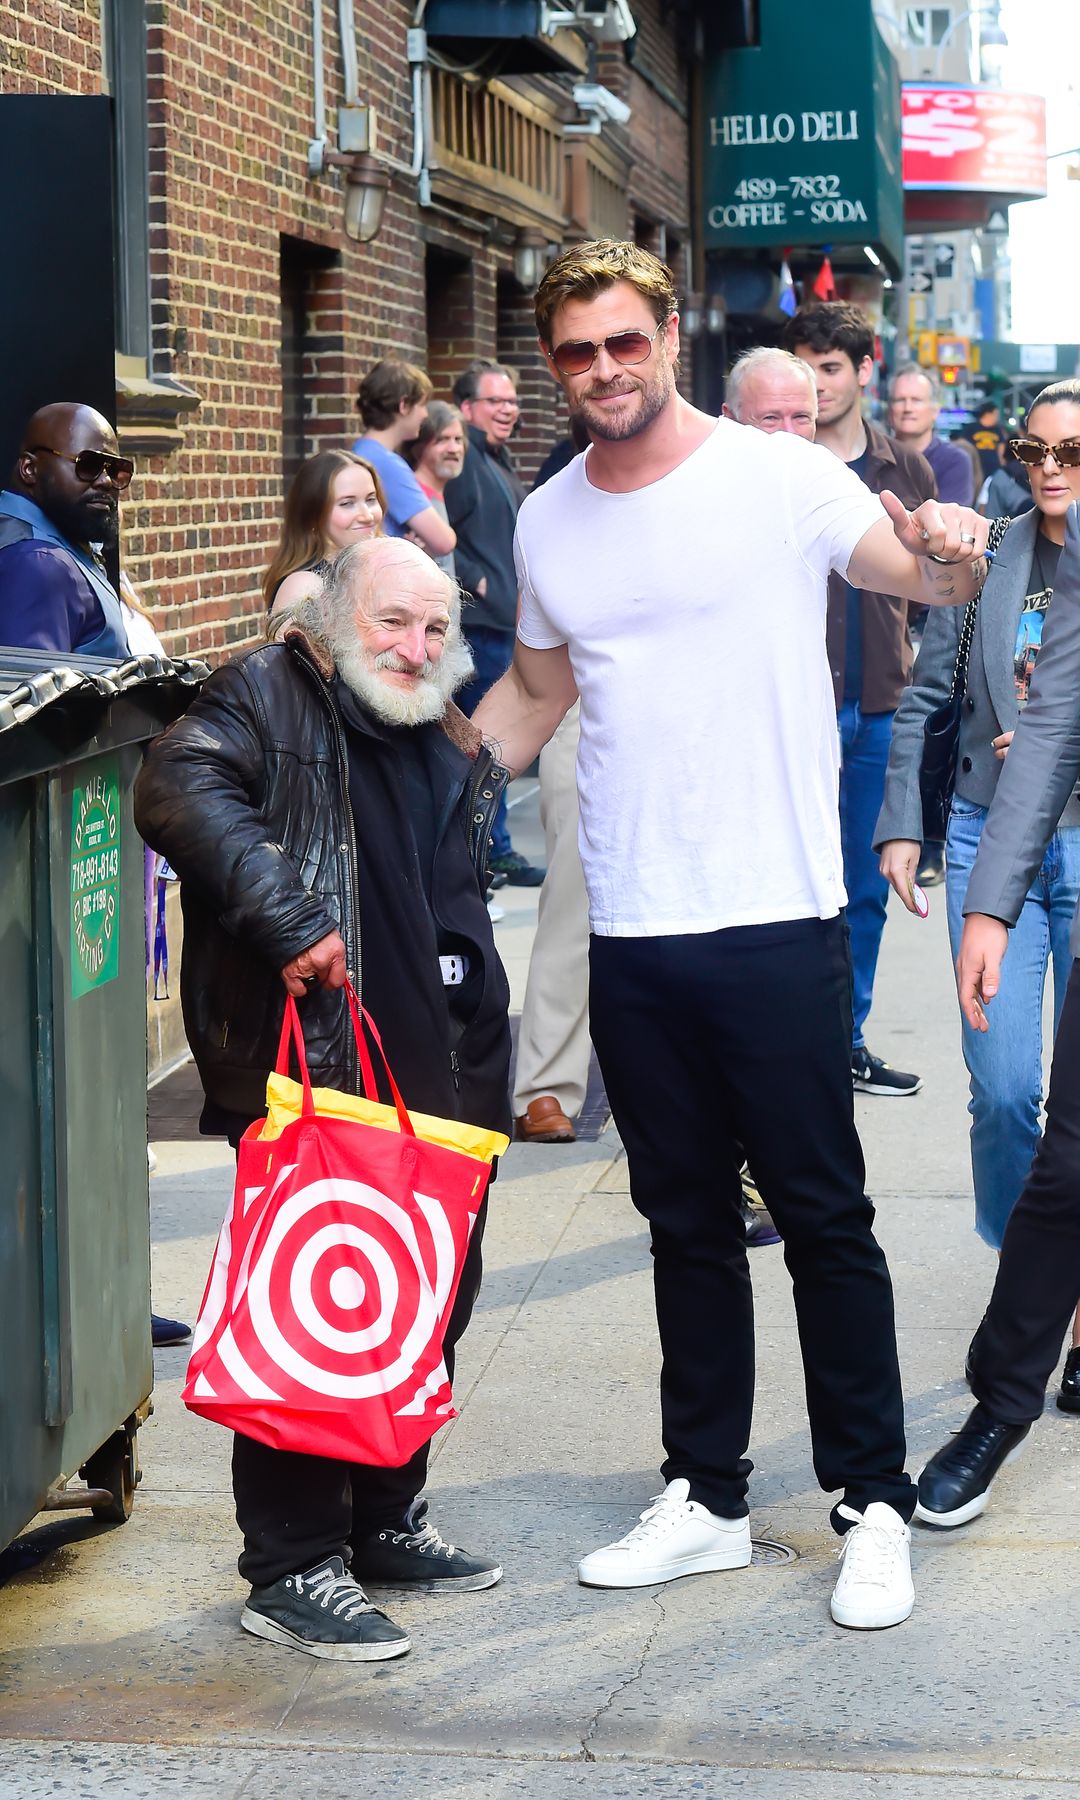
{"x":975,"y":139}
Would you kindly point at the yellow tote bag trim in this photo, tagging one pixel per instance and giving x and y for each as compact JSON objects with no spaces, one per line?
{"x":285,"y":1102}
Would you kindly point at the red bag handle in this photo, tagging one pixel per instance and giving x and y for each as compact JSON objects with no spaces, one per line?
{"x":360,"y":1012}
{"x":292,"y":1034}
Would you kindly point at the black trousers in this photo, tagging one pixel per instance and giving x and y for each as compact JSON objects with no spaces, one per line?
{"x":295,"y":1510}
{"x":743,"y":1038}
{"x":1038,"y":1279}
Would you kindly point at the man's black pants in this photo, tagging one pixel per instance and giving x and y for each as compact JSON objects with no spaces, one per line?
{"x":1038,"y":1279}
{"x":295,"y":1510}
{"x":739,"y":1038}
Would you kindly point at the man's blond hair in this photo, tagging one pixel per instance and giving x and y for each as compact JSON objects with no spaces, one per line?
{"x":587,"y":270}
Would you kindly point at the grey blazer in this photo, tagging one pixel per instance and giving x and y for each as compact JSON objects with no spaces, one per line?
{"x":990,"y":696}
{"x":1040,"y":771}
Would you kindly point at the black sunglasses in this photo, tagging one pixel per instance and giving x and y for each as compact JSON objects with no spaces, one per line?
{"x":625,"y":347}
{"x":1033,"y":452}
{"x":90,"y":463}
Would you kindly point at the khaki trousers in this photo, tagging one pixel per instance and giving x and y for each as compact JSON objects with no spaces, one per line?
{"x":553,"y":1046}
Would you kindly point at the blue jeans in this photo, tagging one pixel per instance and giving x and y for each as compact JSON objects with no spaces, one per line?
{"x":492,"y":654}
{"x":1005,"y":1063}
{"x":864,"y":744}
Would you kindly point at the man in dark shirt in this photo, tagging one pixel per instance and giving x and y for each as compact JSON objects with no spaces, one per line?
{"x":987,"y":436}
{"x":63,"y":501}
{"x":869,"y":645}
{"x":914,"y":404}
{"x":482,"y":506}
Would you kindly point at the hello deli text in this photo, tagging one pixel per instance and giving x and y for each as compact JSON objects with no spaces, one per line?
{"x":784,"y":200}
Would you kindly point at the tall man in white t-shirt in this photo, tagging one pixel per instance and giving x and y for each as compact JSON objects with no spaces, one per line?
{"x":675,"y":577}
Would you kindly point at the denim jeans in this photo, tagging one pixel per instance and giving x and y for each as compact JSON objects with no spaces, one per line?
{"x":864,"y":745}
{"x":1005,"y":1063}
{"x":492,"y":654}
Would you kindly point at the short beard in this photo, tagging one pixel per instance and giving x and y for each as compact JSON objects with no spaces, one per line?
{"x":655,"y":395}
{"x":422,"y":705}
{"x":82,"y":526}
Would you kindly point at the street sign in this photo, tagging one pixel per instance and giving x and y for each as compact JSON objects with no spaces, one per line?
{"x":953,"y":352}
{"x":920,"y":281}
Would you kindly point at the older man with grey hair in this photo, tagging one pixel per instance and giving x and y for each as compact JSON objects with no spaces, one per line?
{"x":328,"y":809}
{"x":914,"y":405}
{"x":773,"y":391}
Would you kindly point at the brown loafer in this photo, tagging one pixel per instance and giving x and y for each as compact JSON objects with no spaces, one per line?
{"x":544,"y":1122}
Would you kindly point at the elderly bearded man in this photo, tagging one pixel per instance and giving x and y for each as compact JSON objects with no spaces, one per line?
{"x":719,"y":996}
{"x":328,"y":810}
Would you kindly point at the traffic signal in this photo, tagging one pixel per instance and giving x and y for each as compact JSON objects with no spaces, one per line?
{"x":950,"y":375}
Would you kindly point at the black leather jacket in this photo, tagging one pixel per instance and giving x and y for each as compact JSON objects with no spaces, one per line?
{"x":247,"y":796}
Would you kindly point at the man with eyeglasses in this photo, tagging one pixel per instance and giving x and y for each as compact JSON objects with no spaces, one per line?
{"x":482,"y":506}
{"x":675,"y":579}
{"x":62,"y":507}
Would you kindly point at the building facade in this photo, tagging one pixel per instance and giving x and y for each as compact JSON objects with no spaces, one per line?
{"x":245,"y":313}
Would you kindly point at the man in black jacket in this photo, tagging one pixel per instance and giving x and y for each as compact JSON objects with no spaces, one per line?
{"x":869,"y":644}
{"x":482,"y":506}
{"x":328,"y":811}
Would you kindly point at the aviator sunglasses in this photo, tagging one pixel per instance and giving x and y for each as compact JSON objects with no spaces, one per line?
{"x":90,"y":463}
{"x":1033,"y":452}
{"x":625,"y":347}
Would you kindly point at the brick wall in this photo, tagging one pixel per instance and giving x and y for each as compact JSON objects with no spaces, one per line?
{"x":230,"y":116}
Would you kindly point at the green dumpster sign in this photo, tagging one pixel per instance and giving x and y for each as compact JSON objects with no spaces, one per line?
{"x":95,"y":880}
{"x":802,"y":135}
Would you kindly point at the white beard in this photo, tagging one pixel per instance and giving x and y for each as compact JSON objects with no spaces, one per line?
{"x":421,"y":705}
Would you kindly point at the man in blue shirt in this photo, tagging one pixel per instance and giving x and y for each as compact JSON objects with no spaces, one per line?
{"x":913,"y":409}
{"x":393,"y":401}
{"x":64,"y":497}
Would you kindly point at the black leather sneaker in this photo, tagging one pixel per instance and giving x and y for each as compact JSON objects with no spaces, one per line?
{"x":323,"y":1612}
{"x":517,"y":871}
{"x":955,"y":1484}
{"x":413,"y":1555}
{"x":1069,"y":1392}
{"x":870,"y":1075}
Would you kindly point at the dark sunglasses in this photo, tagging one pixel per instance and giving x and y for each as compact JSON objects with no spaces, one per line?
{"x":625,"y":347}
{"x":90,"y":463}
{"x":1033,"y":451}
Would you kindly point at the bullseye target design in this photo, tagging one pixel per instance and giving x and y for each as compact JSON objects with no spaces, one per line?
{"x":322,"y":1324}
{"x":344,"y":1296}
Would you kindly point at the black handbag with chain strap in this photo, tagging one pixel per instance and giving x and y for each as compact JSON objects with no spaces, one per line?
{"x":941,"y":729}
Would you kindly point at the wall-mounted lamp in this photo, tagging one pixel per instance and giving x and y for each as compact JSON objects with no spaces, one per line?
{"x":715,"y":315}
{"x":532,"y":253}
{"x":367,"y":178}
{"x":691,"y":316}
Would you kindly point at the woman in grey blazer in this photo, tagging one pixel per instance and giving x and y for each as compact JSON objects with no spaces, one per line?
{"x":1005,"y":1065}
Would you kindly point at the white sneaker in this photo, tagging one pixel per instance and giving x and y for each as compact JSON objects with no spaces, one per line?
{"x":875,"y":1587}
{"x":675,"y":1536}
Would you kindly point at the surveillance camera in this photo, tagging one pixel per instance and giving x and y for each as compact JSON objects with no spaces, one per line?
{"x":591,"y":97}
{"x":619,"y":24}
{"x":612,"y":24}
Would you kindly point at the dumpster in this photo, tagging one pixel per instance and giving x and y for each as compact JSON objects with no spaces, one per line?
{"x":75,"y":1350}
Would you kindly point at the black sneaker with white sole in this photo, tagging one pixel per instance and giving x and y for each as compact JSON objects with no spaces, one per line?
{"x":870,"y":1075}
{"x":323,"y":1612}
{"x":413,"y":1555}
{"x":955,"y":1484}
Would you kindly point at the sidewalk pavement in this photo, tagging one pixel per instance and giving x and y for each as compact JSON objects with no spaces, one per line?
{"x":122,"y":1665}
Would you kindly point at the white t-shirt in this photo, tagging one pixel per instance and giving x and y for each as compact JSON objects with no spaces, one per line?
{"x":694,"y":613}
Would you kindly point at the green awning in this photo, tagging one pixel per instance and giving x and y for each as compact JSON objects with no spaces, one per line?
{"x":802,"y":135}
